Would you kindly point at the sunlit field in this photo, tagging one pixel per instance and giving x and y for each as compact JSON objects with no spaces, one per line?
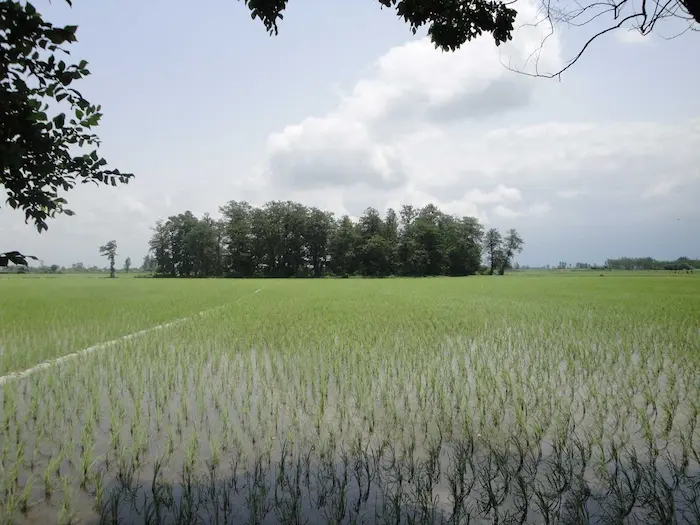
{"x":528,"y":398}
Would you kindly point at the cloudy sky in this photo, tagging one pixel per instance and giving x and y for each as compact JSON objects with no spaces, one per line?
{"x":347,"y":109}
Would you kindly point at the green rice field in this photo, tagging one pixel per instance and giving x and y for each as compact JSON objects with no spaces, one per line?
{"x":532,"y":398}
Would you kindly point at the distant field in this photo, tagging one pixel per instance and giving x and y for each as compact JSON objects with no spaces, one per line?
{"x":529,"y":397}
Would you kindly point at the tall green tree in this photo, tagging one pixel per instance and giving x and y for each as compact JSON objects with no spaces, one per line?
{"x":512,"y":244}
{"x":127,"y":264}
{"x":493,"y":245}
{"x":344,"y":248}
{"x":288,"y":239}
{"x":318,"y":231}
{"x":148,"y":264}
{"x":109,"y":250}
{"x":461,"y":244}
{"x":405,"y":242}
{"x":391,"y":234}
{"x":237,"y":238}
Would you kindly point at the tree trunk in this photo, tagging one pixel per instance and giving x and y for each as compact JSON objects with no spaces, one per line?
{"x":506,"y":258}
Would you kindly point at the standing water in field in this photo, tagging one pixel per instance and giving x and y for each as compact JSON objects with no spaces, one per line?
{"x":233,"y":418}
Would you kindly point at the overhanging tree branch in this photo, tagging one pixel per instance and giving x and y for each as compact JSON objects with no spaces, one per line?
{"x":15,"y":257}
{"x":46,"y":125}
{"x":641,"y":17}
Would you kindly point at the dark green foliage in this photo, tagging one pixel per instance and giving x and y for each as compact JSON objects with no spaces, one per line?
{"x":14,"y":257}
{"x":512,"y":244}
{"x":647,"y":263}
{"x":47,"y":144}
{"x":493,"y":244}
{"x":109,"y":250}
{"x":288,"y":239}
{"x":450,"y":23}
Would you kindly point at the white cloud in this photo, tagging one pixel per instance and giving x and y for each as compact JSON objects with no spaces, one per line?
{"x":500,"y":194}
{"x":425,"y":126}
{"x":632,"y":36}
{"x":412,"y":91}
{"x":503,"y":211}
{"x":539,"y":209}
{"x":668,"y":185}
{"x":420,"y":127}
{"x":568,"y":194}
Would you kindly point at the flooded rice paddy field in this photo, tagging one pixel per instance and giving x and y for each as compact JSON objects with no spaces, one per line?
{"x":522,"y":399}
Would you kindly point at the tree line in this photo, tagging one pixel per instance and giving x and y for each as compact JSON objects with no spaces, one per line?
{"x":647,"y":263}
{"x":289,"y":239}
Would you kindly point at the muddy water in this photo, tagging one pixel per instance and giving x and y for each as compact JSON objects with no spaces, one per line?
{"x":398,"y":449}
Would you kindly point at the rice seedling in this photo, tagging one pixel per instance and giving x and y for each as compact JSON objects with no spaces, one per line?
{"x":515,"y":400}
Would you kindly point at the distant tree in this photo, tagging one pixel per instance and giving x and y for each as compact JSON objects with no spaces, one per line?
{"x":512,"y":244}
{"x":318,"y":229}
{"x":109,"y":250}
{"x":148,"y":264}
{"x":648,"y":263}
{"x":127,"y":264}
{"x":288,"y":239}
{"x":493,"y":245}
{"x":344,"y":248}
{"x":54,"y":268}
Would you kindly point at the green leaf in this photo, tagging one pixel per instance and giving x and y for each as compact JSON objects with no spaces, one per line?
{"x":59,"y":120}
{"x":15,"y":257}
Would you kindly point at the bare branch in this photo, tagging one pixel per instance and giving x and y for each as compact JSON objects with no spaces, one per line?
{"x":622,"y":12}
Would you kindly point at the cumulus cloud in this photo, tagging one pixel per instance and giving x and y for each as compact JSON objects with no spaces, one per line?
{"x":332,"y":151}
{"x":410,"y":91}
{"x":568,"y":194}
{"x":423,"y":126}
{"x":384,"y":146}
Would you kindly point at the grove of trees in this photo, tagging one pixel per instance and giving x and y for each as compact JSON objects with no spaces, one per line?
{"x":288,"y":239}
{"x":647,"y":263}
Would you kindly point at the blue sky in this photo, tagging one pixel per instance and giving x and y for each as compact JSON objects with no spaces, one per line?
{"x":345,"y":109}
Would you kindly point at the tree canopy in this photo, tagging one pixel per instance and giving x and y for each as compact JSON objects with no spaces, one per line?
{"x":109,"y":250}
{"x":288,"y":239}
{"x":46,"y":125}
{"x":452,"y":23}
